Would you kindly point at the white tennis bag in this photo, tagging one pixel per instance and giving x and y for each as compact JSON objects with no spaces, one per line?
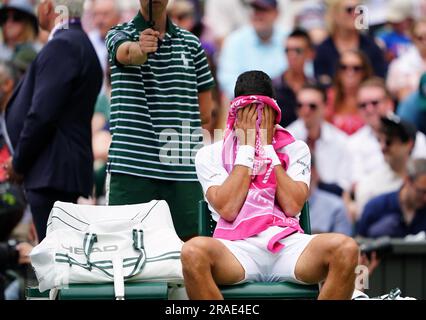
{"x":98,"y":244}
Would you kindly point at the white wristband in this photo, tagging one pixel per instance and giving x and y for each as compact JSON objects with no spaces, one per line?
{"x":271,"y":154}
{"x":245,"y":156}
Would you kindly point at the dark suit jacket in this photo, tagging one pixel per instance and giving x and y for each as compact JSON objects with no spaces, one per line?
{"x":49,"y":116}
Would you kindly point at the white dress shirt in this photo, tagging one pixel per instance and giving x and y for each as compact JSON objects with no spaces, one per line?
{"x":332,"y":157}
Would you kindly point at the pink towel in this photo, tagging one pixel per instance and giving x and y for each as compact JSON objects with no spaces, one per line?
{"x":260,"y":210}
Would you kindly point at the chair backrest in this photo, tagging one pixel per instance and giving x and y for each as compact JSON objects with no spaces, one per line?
{"x":206,"y":224}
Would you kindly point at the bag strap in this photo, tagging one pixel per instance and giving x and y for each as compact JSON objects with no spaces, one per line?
{"x":89,"y":241}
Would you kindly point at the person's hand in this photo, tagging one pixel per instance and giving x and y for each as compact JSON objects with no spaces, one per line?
{"x":24,"y":250}
{"x":11,"y":174}
{"x":371,"y":263}
{"x":267,"y":125}
{"x":246,"y":125}
{"x":148,"y":41}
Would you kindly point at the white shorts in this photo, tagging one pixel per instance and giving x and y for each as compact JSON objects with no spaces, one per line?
{"x":260,"y":264}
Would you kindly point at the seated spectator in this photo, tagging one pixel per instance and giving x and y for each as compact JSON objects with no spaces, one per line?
{"x":311,"y":18}
{"x":256,"y":203}
{"x":327,"y":211}
{"x":342,"y":16}
{"x":258,"y":46}
{"x":397,"y":139}
{"x":397,"y":39}
{"x":405,"y":72}
{"x":299,"y":50}
{"x":374,"y":101}
{"x":413,"y":108}
{"x":19,"y":27}
{"x":342,"y":109}
{"x":328,"y":143}
{"x":106,"y":14}
{"x":399,"y":213}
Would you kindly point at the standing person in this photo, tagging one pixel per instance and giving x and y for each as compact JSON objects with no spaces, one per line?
{"x":49,"y":116}
{"x":160,"y":99}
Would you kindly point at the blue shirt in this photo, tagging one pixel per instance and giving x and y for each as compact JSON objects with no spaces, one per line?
{"x":244,"y":51}
{"x":382,"y":216}
{"x":328,"y":213}
{"x":395,"y":42}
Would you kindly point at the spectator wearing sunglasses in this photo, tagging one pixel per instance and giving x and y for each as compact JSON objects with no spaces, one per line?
{"x":342,"y":111}
{"x":399,"y":213}
{"x":405,"y":72}
{"x":19,"y":29}
{"x":328,"y":143}
{"x":374,"y":101}
{"x":397,"y":138}
{"x":342,"y":16}
{"x":299,"y":51}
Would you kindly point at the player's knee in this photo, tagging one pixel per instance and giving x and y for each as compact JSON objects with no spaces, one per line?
{"x":194,"y":254}
{"x":347,"y":251}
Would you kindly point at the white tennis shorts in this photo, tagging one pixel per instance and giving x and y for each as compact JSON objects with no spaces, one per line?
{"x":260,"y":264}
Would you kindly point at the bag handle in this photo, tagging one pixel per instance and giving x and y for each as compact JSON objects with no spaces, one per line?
{"x":89,"y":241}
{"x":91,"y":238}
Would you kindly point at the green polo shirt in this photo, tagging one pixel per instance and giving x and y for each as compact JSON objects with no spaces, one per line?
{"x":155,"y":118}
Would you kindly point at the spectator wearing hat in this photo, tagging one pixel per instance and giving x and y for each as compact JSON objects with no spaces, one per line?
{"x":19,"y":28}
{"x":344,"y":36}
{"x":258,"y":46}
{"x":406,"y":71}
{"x":399,"y":213}
{"x":413,"y":108}
{"x":397,"y":138}
{"x":399,"y":18}
{"x":311,"y":18}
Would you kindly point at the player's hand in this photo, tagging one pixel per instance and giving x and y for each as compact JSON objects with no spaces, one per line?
{"x":148,"y":41}
{"x":246,"y":125}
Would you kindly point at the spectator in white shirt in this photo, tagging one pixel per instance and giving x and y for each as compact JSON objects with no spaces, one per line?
{"x":374,"y":101}
{"x":405,"y":72}
{"x":328,"y":143}
{"x":397,"y":138}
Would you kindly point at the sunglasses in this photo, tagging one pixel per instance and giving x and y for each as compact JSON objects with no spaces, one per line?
{"x":345,"y":67}
{"x":298,"y":51}
{"x":421,"y":38}
{"x":12,"y":15}
{"x":350,"y":10}
{"x":312,"y":105}
{"x":374,"y":103}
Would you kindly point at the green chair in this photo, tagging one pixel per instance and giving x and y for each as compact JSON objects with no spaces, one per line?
{"x":105,"y":291}
{"x":260,"y":290}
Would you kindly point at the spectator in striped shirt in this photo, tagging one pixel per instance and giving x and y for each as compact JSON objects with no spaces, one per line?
{"x":161,"y":98}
